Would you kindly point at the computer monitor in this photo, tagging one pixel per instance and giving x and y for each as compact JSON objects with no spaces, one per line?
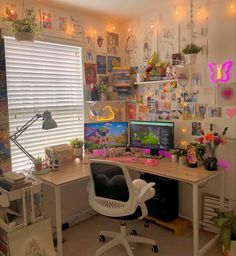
{"x":105,"y":135}
{"x":152,"y":135}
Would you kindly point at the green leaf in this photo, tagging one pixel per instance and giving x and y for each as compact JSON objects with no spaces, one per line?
{"x":225,"y":235}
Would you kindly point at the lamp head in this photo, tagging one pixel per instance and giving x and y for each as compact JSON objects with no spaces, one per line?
{"x":48,"y":122}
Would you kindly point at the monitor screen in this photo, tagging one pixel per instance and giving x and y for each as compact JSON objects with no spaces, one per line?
{"x":105,"y":135}
{"x":152,"y":135}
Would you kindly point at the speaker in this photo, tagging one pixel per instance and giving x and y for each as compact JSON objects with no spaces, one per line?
{"x":165,"y":204}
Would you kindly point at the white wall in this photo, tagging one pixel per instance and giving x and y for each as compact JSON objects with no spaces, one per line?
{"x":221,"y":24}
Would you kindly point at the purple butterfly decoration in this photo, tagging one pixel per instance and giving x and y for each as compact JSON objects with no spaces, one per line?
{"x":219,"y":73}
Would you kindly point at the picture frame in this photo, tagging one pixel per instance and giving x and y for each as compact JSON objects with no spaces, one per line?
{"x":35,"y":239}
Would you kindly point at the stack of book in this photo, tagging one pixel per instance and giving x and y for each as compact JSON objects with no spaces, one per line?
{"x":12,"y":181}
{"x":121,"y":81}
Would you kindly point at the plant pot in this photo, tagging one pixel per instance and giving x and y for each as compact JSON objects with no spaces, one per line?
{"x":191,"y":58}
{"x":210,"y":163}
{"x":232,"y":251}
{"x":25,"y":36}
{"x":78,"y":152}
{"x":174,"y":158}
{"x":38,"y":167}
{"x":183,"y":160}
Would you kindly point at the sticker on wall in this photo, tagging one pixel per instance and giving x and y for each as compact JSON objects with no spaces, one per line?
{"x":220,"y":73}
{"x":230,"y":112}
{"x":226,"y":94}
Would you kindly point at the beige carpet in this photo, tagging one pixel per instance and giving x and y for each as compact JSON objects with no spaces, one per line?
{"x":82,"y":239}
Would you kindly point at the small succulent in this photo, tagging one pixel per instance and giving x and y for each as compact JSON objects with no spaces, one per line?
{"x":76,"y":143}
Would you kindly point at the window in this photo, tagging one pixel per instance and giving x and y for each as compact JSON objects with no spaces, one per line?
{"x":43,"y":76}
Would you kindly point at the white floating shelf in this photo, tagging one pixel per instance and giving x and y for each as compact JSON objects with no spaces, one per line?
{"x":158,"y":81}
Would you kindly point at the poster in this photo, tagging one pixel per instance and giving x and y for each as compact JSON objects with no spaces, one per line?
{"x":46,"y":20}
{"x":112,"y":43}
{"x":101,"y":64}
{"x":112,"y":62}
{"x":77,"y":29}
{"x":90,"y":73}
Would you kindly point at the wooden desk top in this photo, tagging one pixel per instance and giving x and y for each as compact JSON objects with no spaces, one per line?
{"x":66,"y":174}
{"x":174,"y":170}
{"x":165,"y":168}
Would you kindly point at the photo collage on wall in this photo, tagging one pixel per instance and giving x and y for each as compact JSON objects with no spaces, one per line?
{"x":170,"y":101}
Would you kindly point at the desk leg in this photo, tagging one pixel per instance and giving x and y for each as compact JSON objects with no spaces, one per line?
{"x":58,"y":220}
{"x":195,"y":221}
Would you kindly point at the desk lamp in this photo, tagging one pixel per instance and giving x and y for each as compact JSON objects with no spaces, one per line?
{"x":48,"y":123}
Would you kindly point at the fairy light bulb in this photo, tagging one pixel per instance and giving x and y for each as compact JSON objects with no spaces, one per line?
{"x":113,"y":28}
{"x":232,"y":5}
{"x":11,"y":11}
{"x":199,"y":11}
{"x":184,"y":130}
{"x":183,"y":143}
{"x":176,"y":11}
{"x":152,"y":26}
{"x":95,"y":32}
{"x":72,"y":29}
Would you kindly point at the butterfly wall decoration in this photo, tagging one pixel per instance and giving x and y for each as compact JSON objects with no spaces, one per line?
{"x":220,"y":73}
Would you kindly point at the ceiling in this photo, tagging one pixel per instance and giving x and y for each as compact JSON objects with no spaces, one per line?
{"x":118,"y":8}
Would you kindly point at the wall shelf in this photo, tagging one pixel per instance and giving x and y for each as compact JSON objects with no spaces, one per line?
{"x":112,"y":101}
{"x":158,"y":81}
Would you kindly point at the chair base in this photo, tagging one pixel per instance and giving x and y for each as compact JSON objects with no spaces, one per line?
{"x":123,"y":239}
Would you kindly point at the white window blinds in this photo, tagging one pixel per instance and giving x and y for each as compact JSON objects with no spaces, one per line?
{"x":43,"y":76}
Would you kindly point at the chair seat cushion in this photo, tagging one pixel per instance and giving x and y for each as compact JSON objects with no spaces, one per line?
{"x":133,"y":216}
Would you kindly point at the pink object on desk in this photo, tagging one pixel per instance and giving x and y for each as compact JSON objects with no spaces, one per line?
{"x":151,"y":162}
{"x":99,"y":152}
{"x":123,"y":159}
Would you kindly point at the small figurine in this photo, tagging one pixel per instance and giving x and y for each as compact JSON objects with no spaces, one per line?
{"x":191,"y":157}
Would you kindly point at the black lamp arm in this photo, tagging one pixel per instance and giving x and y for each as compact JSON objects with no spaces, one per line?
{"x":14,"y":136}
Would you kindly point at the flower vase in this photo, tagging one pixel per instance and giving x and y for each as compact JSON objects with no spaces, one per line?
{"x":78,"y":153}
{"x":210,"y":163}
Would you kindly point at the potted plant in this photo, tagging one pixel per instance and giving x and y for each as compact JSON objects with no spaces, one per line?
{"x":102,"y":91}
{"x":182,"y":156}
{"x":174,"y":155}
{"x":77,"y":145}
{"x":24,"y":28}
{"x":38,"y":164}
{"x":191,"y":50}
{"x":226,"y":223}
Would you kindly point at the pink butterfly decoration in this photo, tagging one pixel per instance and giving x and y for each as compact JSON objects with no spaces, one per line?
{"x":219,"y":73}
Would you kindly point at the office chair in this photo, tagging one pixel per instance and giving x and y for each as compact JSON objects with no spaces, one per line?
{"x":112,"y":193}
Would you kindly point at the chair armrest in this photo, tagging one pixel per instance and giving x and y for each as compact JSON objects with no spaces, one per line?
{"x":144,"y":191}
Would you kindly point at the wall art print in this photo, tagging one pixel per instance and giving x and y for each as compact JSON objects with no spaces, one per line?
{"x":112,"y":43}
{"x":113,"y":61}
{"x":101,"y":64}
{"x":90,"y":73}
{"x":131,"y":50}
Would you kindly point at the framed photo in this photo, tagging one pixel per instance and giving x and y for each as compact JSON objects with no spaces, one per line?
{"x":35,"y":239}
{"x":112,"y":62}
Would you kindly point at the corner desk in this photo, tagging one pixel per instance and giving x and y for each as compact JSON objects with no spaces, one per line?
{"x":166,"y":168}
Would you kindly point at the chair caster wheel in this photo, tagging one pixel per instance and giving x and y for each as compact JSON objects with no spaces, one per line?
{"x":146,"y":225}
{"x":102,"y":238}
{"x":155,"y":249}
{"x":133,"y":232}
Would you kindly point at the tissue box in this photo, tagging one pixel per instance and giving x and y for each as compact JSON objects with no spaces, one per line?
{"x":63,"y":151}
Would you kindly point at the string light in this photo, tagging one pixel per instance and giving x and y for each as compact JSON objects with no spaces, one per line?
{"x":152,"y":26}
{"x":113,"y":28}
{"x":176,"y":10}
{"x":232,"y":4}
{"x":184,"y":130}
{"x":199,"y":12}
{"x":95,"y":32}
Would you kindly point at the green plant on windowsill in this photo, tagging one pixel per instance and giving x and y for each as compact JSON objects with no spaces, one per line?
{"x":226,"y":223}
{"x":191,"y":49}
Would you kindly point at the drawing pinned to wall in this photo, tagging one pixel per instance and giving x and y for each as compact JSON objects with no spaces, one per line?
{"x":89,"y":55}
{"x":46,"y":20}
{"x":100,"y":43}
{"x":196,"y":79}
{"x":200,"y":111}
{"x":90,"y":73}
{"x":226,"y":94}
{"x":112,"y":61}
{"x":131,"y":50}
{"x":168,"y":43}
{"x":112,"y":43}
{"x":62,"y":21}
{"x":77,"y":30}
{"x":147,"y":45}
{"x":101,"y":64}
{"x":88,"y":41}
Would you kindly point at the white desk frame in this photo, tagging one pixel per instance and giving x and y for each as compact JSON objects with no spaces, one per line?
{"x":193,"y":176}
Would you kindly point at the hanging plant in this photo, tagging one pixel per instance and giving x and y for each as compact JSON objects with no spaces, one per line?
{"x":26,"y":27}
